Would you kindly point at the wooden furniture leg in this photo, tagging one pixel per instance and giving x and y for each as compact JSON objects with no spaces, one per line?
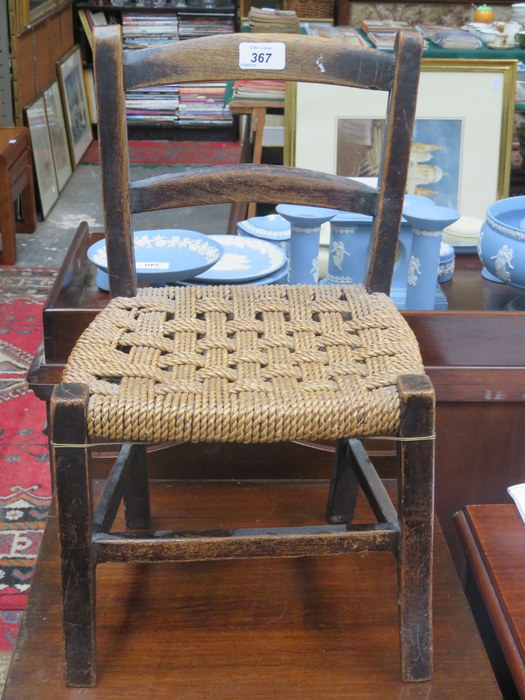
{"x":343,"y":485}
{"x":28,"y":222}
{"x":16,"y":180}
{"x":415,"y":512}
{"x":75,"y":509}
{"x":257,"y":127}
{"x":136,"y":494}
{"x":7,"y":221}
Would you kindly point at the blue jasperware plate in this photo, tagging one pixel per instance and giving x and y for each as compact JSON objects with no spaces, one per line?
{"x":164,"y":255}
{"x":244,"y":259}
{"x":280,"y":276}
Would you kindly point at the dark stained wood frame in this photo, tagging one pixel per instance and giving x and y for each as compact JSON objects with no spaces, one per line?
{"x":351,"y":66}
{"x":85,"y":532}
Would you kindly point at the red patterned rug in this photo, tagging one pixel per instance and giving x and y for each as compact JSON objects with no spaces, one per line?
{"x":25,"y":484}
{"x":176,"y":152}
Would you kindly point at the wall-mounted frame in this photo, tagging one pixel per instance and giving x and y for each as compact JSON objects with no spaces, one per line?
{"x":58,"y":134}
{"x":47,"y":186}
{"x":75,"y":103}
{"x":463,"y":133}
{"x":28,"y":13}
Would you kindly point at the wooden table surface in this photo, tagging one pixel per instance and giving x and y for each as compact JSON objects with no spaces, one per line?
{"x":311,"y":628}
{"x":494,"y":540}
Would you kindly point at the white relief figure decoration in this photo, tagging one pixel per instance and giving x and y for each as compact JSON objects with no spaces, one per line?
{"x":314,"y":270}
{"x":414,"y":269}
{"x":232,"y":261}
{"x":338,"y":251}
{"x":501,"y":260}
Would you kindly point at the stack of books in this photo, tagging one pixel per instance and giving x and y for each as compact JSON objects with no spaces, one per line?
{"x":196,"y":103}
{"x":203,"y":103}
{"x":382,"y":32}
{"x":153,"y":105}
{"x":348,"y":34}
{"x":90,"y":19}
{"x":259,"y":89}
{"x":157,"y":105}
{"x":269,"y":20}
{"x":139,"y":31}
{"x":191,"y":25}
{"x":448,"y":37}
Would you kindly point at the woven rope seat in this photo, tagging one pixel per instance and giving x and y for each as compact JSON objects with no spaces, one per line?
{"x":245,"y":364}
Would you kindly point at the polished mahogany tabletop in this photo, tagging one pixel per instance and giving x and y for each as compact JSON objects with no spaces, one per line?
{"x":494,"y":540}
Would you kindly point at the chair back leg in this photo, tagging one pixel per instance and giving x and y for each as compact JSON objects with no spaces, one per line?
{"x":344,"y":487}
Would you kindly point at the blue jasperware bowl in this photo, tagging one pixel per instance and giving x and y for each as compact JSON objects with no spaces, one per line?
{"x":162,"y":256}
{"x":501,"y":244}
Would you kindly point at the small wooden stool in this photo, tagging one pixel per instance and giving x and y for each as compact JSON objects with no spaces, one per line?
{"x":255,"y":111}
{"x":16,"y":179}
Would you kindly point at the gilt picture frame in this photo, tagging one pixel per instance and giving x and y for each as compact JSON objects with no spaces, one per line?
{"x":78,"y":122}
{"x":58,"y":134}
{"x":46,"y":181}
{"x":463,"y":130}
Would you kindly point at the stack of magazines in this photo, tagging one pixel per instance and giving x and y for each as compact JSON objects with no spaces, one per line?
{"x":382,"y":32}
{"x":141,"y":30}
{"x":348,"y":34}
{"x":259,"y":89}
{"x":448,"y":37}
{"x":268,"y":20}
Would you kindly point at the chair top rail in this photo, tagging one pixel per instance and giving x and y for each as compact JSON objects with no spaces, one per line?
{"x":238,"y":183}
{"x":307,"y":59}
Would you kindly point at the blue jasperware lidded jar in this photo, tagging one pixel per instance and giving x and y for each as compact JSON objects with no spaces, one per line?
{"x":271,"y":228}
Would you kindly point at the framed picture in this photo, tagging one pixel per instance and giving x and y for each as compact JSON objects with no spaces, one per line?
{"x":462,"y":137}
{"x":58,"y":134}
{"x":28,"y":13}
{"x":47,"y":185}
{"x":75,"y":104}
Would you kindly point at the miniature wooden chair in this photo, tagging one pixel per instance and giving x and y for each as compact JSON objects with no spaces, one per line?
{"x":246,"y":363}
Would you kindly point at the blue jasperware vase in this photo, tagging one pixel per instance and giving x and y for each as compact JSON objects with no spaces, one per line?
{"x":428,"y":222}
{"x":305,"y":231}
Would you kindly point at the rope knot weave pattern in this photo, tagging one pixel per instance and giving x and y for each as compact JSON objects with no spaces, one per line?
{"x":248,"y":363}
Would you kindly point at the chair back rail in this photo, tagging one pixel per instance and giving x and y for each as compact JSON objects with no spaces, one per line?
{"x":237,"y":183}
{"x":308,"y":59}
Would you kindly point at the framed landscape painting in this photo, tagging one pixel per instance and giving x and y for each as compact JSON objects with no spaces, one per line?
{"x":47,"y":186}
{"x":461,"y":149}
{"x":58,"y":134}
{"x":76,"y":109}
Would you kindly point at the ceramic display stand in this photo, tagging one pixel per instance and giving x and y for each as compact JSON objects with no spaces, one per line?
{"x":305,"y":230}
{"x":428,"y":222}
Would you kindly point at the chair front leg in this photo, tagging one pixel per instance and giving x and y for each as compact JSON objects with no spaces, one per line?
{"x":71,"y":460}
{"x":416,"y":519}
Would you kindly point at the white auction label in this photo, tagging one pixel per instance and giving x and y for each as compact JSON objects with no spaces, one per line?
{"x":153,"y":266}
{"x":270,"y":56}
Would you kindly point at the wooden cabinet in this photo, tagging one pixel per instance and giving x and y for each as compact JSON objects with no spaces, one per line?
{"x":35,"y":49}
